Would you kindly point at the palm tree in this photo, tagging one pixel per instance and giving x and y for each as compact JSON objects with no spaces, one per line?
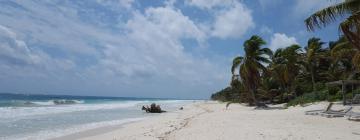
{"x":269,"y":88}
{"x":344,"y":55}
{"x":350,"y":26}
{"x":286,"y":65}
{"x":313,"y":52}
{"x":251,"y":65}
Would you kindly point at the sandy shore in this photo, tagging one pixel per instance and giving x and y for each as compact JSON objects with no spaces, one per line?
{"x":210,"y":121}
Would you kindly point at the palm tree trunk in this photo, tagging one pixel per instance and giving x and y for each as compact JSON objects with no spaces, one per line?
{"x":288,"y":91}
{"x":283,"y":89}
{"x":252,"y":92}
{"x":312,"y":78}
{"x":352,"y":73}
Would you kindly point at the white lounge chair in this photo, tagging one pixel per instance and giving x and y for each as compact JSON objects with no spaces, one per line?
{"x":355,"y":116}
{"x":317,"y":112}
{"x":356,"y":99}
{"x":339,"y":113}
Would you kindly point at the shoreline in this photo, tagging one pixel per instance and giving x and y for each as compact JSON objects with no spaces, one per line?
{"x":210,"y":120}
{"x":94,"y":132}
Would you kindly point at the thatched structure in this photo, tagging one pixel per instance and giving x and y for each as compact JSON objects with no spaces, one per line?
{"x":343,"y":84}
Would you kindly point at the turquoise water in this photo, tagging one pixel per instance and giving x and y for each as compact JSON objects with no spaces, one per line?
{"x":48,"y":116}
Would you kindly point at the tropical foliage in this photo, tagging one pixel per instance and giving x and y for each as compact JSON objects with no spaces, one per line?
{"x":350,"y":27}
{"x":251,"y":65}
{"x":294,"y":74}
{"x":298,"y":74}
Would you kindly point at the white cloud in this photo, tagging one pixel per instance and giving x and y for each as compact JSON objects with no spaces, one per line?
{"x":117,"y":3}
{"x":280,"y":40}
{"x":14,"y":50}
{"x":266,"y":30}
{"x":17,"y":59}
{"x":269,"y":3}
{"x":69,"y":51}
{"x":153,"y":47}
{"x":208,"y":4}
{"x":232,"y":19}
{"x":52,"y":27}
{"x":172,"y":22}
{"x":233,"y":22}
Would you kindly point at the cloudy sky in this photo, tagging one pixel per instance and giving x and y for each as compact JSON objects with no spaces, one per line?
{"x":139,"y":48}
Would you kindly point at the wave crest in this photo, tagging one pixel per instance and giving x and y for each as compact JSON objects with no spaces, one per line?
{"x":15,"y":112}
{"x":54,"y":102}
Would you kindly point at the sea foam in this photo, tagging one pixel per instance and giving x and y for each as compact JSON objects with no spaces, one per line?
{"x":16,"y":112}
{"x":48,"y":134}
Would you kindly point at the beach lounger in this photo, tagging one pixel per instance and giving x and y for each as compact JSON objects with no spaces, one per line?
{"x":356,"y":99}
{"x":355,"y":116}
{"x":332,"y":113}
{"x":317,"y":112}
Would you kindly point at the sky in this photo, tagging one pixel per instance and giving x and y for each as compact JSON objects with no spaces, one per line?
{"x":140,"y":48}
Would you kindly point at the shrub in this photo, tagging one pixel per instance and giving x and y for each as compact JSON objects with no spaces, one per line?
{"x":226,"y":95}
{"x":320,"y":86}
{"x":322,"y":95}
{"x":306,"y":98}
{"x":357,"y":91}
{"x":333,"y":90}
{"x":335,"y":97}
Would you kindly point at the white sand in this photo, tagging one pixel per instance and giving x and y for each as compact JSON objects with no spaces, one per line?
{"x":210,"y":121}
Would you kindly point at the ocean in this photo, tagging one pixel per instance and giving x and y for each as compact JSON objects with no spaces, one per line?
{"x":41,"y":117}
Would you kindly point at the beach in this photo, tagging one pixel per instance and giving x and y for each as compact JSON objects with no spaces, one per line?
{"x":179,"y":70}
{"x":211,"y":121}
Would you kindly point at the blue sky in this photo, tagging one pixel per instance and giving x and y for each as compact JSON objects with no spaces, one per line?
{"x":140,"y":48}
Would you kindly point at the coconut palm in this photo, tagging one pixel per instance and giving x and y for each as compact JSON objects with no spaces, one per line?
{"x":286,"y":65}
{"x":251,"y":65}
{"x":269,"y":87}
{"x":293,"y":72}
{"x":350,"y":26}
{"x":345,"y":55}
{"x":313,"y":52}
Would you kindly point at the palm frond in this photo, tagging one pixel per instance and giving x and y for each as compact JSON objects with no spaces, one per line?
{"x":328,"y":15}
{"x":236,"y":63}
{"x":356,"y":60}
{"x":351,"y":29}
{"x":340,"y":49}
{"x":266,"y":51}
{"x":263,"y":59}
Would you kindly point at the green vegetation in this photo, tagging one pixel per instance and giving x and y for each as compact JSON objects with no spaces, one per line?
{"x":293,"y":75}
{"x":251,"y":66}
{"x":296,"y":74}
{"x":350,"y":27}
{"x":227,"y":95}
